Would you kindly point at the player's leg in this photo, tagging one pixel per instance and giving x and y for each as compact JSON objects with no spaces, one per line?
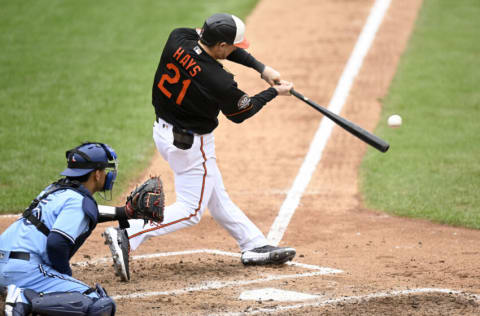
{"x":253,"y":244}
{"x":16,"y":304}
{"x":231,"y":217}
{"x":11,"y":272}
{"x":20,"y":302}
{"x":60,"y":293}
{"x":192,"y":190}
{"x":178,"y":215}
{"x":193,"y":187}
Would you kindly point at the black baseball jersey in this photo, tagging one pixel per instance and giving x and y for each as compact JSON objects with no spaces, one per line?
{"x":191,"y":88}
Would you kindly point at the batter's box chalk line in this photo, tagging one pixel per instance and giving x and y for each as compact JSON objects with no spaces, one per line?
{"x":213,"y":285}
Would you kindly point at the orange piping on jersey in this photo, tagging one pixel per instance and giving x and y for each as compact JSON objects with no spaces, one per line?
{"x":244,"y":110}
{"x":199,"y":202}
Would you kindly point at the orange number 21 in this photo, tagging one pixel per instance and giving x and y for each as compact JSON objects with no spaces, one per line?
{"x":173,"y":80}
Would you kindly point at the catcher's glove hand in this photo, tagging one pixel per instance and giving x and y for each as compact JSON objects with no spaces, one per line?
{"x":147,"y":201}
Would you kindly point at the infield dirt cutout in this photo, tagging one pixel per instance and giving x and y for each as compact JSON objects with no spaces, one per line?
{"x":374,"y":263}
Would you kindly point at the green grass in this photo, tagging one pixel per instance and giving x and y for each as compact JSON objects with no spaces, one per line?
{"x":432,"y":170}
{"x":72,"y":71}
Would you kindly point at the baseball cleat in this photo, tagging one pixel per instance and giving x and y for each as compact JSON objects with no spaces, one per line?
{"x":268,"y":255}
{"x":117,"y":241}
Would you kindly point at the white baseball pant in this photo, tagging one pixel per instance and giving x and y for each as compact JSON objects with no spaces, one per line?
{"x":198,"y":184}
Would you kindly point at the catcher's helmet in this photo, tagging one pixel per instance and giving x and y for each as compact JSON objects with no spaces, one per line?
{"x":223,"y":27}
{"x":89,"y":157}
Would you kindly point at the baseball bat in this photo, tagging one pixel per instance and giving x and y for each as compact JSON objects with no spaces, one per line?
{"x":351,"y":127}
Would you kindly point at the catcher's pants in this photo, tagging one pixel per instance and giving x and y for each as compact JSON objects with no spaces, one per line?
{"x":198,"y":184}
{"x":37,"y":276}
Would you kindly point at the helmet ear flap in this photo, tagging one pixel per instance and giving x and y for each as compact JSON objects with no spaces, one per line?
{"x":109,"y":180}
{"x":111,"y":175}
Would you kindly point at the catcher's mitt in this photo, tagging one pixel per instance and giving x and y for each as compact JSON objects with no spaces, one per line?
{"x":147,"y":201}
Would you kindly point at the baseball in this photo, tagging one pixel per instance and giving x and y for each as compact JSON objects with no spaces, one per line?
{"x":395,"y":120}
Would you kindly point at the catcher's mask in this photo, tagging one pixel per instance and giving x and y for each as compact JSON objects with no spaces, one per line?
{"x":92,"y":156}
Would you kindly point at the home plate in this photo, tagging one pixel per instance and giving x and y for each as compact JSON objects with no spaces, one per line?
{"x":271,"y":294}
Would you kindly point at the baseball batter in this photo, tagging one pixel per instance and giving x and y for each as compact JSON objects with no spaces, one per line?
{"x":190,"y":89}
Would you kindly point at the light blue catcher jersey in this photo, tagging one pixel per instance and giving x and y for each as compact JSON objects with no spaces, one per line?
{"x":60,"y":211}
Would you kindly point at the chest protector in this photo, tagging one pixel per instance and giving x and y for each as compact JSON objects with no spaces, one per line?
{"x":89,"y":207}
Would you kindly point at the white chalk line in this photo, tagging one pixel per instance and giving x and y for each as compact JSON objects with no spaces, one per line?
{"x":10,"y":215}
{"x":322,"y":135}
{"x":212,"y":285}
{"x":215,"y":285}
{"x":348,"y":299}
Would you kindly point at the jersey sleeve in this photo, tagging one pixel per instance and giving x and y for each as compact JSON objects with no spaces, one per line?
{"x":72,"y":221}
{"x":187,"y":33}
{"x":241,"y":56}
{"x":237,"y":106}
{"x":58,"y":251}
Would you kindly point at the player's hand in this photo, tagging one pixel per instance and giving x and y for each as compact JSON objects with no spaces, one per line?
{"x":283,"y":87}
{"x":270,"y":75}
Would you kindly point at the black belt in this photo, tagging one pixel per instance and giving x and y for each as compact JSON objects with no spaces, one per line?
{"x":158,"y":118}
{"x":19,"y":255}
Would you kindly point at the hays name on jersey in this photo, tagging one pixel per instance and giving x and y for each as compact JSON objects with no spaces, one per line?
{"x":187,"y":62}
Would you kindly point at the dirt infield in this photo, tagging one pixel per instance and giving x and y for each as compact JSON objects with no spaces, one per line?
{"x":354,"y":261}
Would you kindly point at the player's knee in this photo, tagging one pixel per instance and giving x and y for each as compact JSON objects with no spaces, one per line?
{"x":196,"y":219}
{"x":71,"y":303}
{"x":192,"y":209}
{"x":103,"y":306}
{"x":58,"y":303}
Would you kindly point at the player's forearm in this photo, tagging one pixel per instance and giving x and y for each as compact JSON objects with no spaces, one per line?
{"x":241,"y":56}
{"x":112,"y":213}
{"x":263,"y":97}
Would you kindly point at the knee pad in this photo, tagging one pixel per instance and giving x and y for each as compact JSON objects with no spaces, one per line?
{"x":59,"y":303}
{"x":103,"y":306}
{"x":71,"y":303}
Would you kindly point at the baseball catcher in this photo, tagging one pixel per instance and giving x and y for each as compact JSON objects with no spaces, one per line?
{"x":35,"y":250}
